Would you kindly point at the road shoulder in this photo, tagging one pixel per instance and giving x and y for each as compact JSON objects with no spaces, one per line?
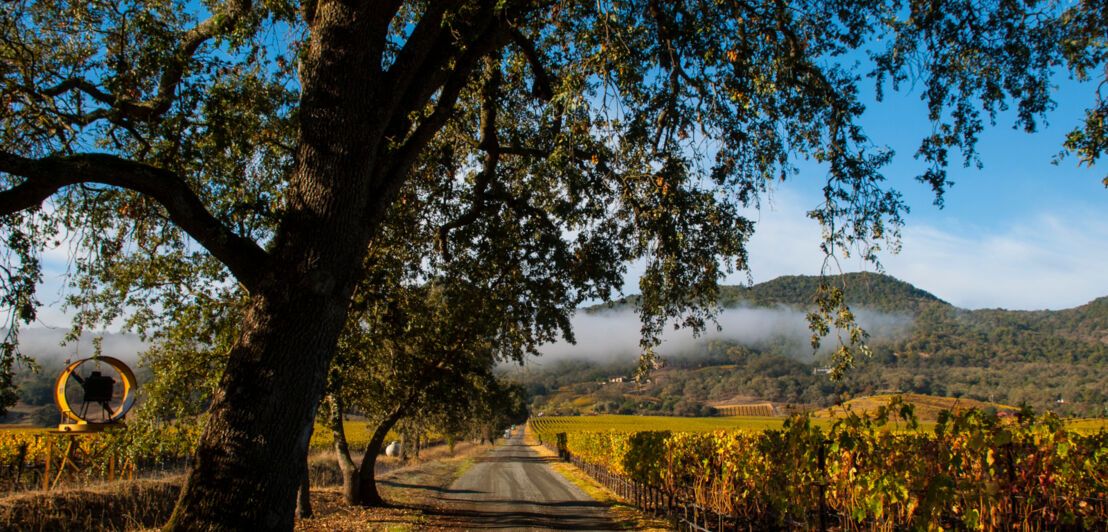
{"x":627,"y":516}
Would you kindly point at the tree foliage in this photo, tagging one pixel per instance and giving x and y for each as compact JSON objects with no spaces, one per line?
{"x":251,"y":152}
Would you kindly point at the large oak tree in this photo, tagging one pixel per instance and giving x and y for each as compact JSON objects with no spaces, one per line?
{"x":189,"y":151}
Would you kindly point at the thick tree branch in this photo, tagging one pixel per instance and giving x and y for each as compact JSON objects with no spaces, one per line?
{"x":418,"y":48}
{"x":542,"y":87}
{"x":491,"y":144}
{"x":45,"y":177}
{"x":521,"y":151}
{"x":440,"y":63}
{"x":189,"y":43}
{"x":81,"y":84}
{"x":455,"y":79}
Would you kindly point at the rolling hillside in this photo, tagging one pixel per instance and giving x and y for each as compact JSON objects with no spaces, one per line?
{"x":1056,"y":360}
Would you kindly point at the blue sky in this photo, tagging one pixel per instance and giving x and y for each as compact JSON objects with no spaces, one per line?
{"x":1021,"y":233}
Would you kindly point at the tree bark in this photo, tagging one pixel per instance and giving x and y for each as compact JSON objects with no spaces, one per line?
{"x":262,"y":415}
{"x":261,"y":418}
{"x":367,"y":474}
{"x":342,"y":453}
{"x":304,"y":495}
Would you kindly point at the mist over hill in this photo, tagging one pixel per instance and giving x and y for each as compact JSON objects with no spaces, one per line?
{"x":612,"y":335}
{"x":1048,"y":359}
{"x":42,"y":344}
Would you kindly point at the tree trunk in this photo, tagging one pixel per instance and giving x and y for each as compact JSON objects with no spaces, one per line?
{"x":348,"y":169}
{"x":261,"y":417}
{"x":367,"y":474}
{"x":303,"y":496}
{"x":342,"y":453}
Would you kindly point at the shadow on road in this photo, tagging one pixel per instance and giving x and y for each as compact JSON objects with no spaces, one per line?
{"x":493,"y":519}
{"x":514,"y":488}
{"x":425,"y":487}
{"x":498,"y":458}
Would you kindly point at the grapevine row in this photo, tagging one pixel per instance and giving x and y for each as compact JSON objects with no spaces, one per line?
{"x":973,"y":470}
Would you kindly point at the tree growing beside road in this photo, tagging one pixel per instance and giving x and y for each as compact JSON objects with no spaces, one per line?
{"x":250,"y":152}
{"x":428,"y":354}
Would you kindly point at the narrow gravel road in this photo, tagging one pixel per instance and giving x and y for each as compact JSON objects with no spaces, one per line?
{"x":513,"y":488}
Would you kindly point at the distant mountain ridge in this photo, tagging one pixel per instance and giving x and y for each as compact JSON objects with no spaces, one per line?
{"x":862,"y":289}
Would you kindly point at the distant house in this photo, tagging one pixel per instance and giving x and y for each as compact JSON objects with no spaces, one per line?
{"x":821,"y":371}
{"x":619,"y":379}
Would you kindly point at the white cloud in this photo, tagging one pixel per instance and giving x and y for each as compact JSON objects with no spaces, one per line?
{"x":1051,"y":261}
{"x":1041,"y":260}
{"x":43,"y":343}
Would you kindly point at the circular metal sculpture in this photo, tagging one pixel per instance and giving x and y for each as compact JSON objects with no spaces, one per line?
{"x":75,"y":394}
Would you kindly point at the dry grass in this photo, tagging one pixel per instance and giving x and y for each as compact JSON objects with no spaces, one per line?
{"x":412,"y":492}
{"x":146,"y":504}
{"x":123,"y":505}
{"x":927,"y":406}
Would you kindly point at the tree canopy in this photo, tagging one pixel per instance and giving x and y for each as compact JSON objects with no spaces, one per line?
{"x":251,"y":152}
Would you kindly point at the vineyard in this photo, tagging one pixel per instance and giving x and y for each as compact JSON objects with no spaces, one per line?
{"x":544,"y":428}
{"x":758,"y":409}
{"x":972,"y":471}
{"x":926,"y":406}
{"x":41,"y":459}
{"x":357,"y":434}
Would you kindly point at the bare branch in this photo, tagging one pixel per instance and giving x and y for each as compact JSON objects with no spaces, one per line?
{"x":523,"y":207}
{"x":45,"y":177}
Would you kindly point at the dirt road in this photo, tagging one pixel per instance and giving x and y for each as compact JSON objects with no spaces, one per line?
{"x":513,"y":488}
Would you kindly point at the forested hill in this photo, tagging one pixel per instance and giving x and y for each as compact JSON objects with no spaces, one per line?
{"x":864,"y":289}
{"x":870,"y":290}
{"x":1048,"y":359}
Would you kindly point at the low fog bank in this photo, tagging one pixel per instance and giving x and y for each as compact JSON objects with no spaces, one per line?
{"x":44,"y":344}
{"x":614,"y":336}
